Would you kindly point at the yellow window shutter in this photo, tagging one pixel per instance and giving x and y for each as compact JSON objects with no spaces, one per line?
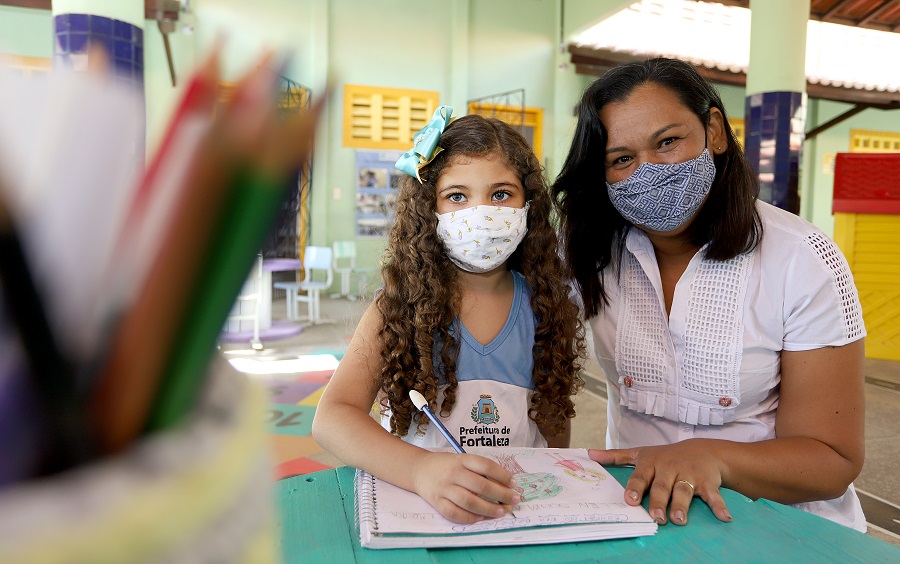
{"x":28,"y":66}
{"x":385,"y":118}
{"x":529,"y":120}
{"x":737,"y":126}
{"x":863,"y":141}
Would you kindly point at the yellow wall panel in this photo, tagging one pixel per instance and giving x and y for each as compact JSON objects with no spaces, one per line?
{"x":868,"y":241}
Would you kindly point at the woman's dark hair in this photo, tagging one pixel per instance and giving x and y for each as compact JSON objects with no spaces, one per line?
{"x":594,"y":232}
{"x":421,"y":296}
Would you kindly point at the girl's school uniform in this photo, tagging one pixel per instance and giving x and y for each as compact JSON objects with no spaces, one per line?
{"x":495,"y":385}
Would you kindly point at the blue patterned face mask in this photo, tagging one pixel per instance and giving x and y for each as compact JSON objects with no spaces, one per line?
{"x":663,"y":197}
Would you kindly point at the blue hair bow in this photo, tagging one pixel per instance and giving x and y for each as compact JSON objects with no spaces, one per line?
{"x":425,"y":143}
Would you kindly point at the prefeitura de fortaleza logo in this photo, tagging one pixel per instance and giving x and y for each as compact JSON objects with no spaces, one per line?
{"x":485,"y":412}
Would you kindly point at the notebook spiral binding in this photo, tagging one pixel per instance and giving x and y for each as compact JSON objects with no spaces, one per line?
{"x":365,"y":500}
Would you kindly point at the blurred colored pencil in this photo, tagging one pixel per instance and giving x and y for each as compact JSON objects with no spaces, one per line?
{"x":255,"y":199}
{"x":50,"y":372}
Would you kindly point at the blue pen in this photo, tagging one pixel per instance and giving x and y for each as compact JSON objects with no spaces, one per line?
{"x":422,"y":405}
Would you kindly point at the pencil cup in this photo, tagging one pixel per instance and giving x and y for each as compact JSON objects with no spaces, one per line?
{"x":196,"y":493}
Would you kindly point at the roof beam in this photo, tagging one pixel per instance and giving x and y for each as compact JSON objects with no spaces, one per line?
{"x":834,"y":121}
{"x":874,"y":13}
{"x":835,"y":8}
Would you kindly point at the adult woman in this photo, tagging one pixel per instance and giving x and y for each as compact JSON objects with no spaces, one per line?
{"x":729,"y":330}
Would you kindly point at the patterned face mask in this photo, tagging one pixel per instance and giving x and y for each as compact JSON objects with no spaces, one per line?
{"x":481,"y":238}
{"x":663,"y":197}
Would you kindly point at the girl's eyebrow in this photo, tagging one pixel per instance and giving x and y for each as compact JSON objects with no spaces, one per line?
{"x":464,"y":188}
{"x":454,"y":188}
{"x":654,"y":135}
{"x":502,"y":185}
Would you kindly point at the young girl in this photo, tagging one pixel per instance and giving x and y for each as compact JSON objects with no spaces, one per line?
{"x":474,"y":314}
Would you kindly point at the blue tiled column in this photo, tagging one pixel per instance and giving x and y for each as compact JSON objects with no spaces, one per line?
{"x":123,"y":43}
{"x":115,"y":28}
{"x":774,"y":130}
{"x":775,"y":107}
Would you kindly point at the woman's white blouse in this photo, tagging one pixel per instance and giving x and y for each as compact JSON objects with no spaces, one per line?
{"x":711,"y":368}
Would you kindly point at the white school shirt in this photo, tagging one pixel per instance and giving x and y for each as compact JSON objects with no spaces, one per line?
{"x":495,"y":385}
{"x":712,"y":369}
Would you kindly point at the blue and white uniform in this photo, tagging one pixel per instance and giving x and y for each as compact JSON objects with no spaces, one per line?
{"x":495,"y":385}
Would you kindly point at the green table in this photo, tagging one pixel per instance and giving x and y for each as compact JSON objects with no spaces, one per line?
{"x":316,"y":520}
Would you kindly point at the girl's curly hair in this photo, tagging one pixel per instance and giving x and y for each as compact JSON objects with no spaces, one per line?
{"x":421,"y":295}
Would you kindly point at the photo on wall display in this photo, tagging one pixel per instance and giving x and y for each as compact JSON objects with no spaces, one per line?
{"x":376,"y":192}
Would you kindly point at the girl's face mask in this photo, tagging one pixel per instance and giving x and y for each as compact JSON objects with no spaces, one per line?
{"x":663,"y":197}
{"x":481,"y":238}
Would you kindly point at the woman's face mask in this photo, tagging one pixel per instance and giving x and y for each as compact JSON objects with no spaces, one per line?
{"x":664,"y":197}
{"x":481,"y":238}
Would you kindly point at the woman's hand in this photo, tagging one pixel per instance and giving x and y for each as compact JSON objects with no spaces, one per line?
{"x":460,"y":485}
{"x":673,"y":475}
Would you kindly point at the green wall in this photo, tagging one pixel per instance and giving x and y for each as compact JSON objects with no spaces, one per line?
{"x":25,"y":32}
{"x":385,"y":43}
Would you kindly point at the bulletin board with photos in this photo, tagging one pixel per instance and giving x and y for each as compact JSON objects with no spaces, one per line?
{"x":376,"y":192}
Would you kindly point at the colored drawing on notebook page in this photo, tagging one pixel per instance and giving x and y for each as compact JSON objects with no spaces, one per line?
{"x":537,"y":486}
{"x":575,"y":469}
{"x":531,"y":486}
{"x":509,"y":463}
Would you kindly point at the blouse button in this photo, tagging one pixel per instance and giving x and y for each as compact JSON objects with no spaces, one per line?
{"x":628,"y":381}
{"x":724,"y":402}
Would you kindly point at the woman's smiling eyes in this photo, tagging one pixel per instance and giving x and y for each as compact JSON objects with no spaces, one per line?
{"x":667,"y":141}
{"x":622,"y":161}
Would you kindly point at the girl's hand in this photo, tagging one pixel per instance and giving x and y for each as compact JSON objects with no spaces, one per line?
{"x":673,"y":474}
{"x":457,"y":485}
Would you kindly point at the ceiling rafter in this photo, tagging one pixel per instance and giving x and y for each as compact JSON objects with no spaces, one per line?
{"x":834,"y":10}
{"x":874,"y":12}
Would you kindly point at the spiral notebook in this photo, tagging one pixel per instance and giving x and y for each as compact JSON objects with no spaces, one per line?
{"x":567,"y":497}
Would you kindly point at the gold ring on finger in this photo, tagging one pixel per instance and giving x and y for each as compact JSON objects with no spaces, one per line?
{"x":690,"y":485}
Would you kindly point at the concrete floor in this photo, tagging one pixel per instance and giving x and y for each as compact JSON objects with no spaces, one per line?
{"x":879,"y":481}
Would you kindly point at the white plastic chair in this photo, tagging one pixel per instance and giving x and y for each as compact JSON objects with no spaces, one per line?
{"x":314,"y":259}
{"x":239,"y":313}
{"x":344,"y":263}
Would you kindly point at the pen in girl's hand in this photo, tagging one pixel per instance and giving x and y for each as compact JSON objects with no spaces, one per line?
{"x":421,"y":404}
